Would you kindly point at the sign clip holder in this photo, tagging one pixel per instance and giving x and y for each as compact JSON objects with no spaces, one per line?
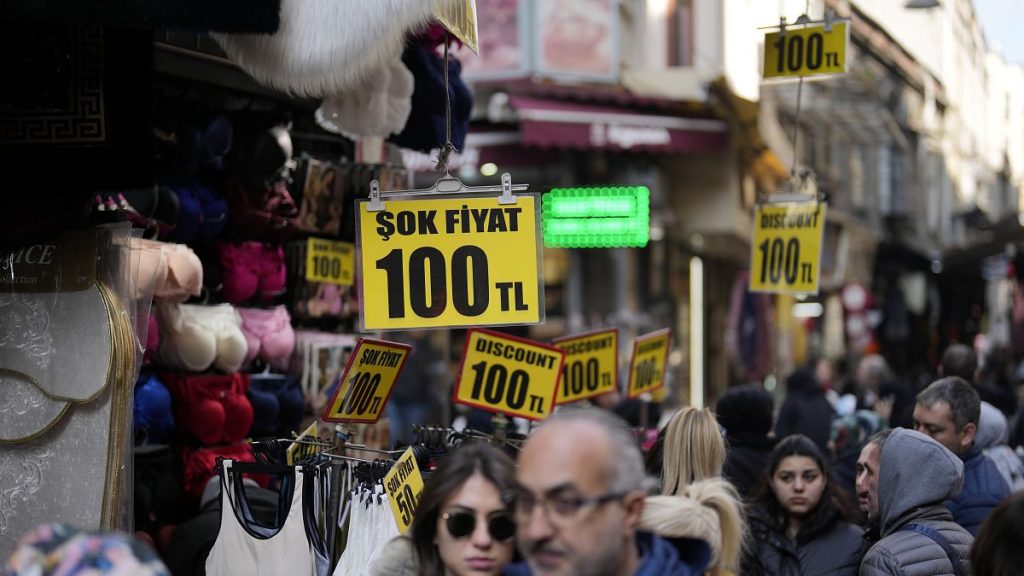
{"x":447,"y":184}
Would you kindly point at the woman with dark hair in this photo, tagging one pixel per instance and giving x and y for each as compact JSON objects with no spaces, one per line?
{"x":800,"y":524}
{"x":999,"y":548}
{"x":463,"y":524}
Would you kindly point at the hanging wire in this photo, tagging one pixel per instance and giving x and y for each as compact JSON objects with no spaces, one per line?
{"x":448,"y":147}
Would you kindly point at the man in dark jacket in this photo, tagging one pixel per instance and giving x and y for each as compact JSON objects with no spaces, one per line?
{"x":948,"y":410}
{"x":579,"y":501}
{"x":915,"y":476}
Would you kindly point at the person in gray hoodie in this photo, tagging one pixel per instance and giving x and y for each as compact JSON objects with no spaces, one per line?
{"x":916,"y":475}
{"x":991,"y":438}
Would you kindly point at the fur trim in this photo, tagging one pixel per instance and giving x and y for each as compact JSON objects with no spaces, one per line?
{"x":327,"y":47}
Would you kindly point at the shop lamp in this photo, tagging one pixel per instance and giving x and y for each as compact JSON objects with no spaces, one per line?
{"x":602,"y":217}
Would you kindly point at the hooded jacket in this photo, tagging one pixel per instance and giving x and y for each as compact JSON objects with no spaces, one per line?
{"x":835,"y":548}
{"x":991,"y":438}
{"x":806,"y":410}
{"x":916,"y":475}
{"x":984,"y":488}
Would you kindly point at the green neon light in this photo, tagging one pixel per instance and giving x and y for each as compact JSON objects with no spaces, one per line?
{"x":605,"y":217}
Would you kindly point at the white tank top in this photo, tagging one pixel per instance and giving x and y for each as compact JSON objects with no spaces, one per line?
{"x":236,"y":551}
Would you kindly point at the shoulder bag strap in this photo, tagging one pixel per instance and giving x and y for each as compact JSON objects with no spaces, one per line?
{"x":939,"y":539}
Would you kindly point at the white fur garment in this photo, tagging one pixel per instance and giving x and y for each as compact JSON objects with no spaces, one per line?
{"x":326,"y":47}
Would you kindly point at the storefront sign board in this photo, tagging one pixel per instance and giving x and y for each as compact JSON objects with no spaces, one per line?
{"x":591,"y":365}
{"x":367,"y":381}
{"x":785,"y":257}
{"x":509,"y":375}
{"x":449,"y":262}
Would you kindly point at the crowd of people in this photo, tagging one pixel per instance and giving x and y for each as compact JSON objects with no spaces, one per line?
{"x":882,"y":480}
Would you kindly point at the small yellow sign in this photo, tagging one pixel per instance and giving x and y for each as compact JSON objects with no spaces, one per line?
{"x":591,"y":365}
{"x":650,"y":357}
{"x":297,"y":451}
{"x":404,"y":484}
{"x":807,"y":51}
{"x":459,"y":17}
{"x":509,"y":375}
{"x":330,"y":261}
{"x":451,"y":262}
{"x":785,"y":257}
{"x":367,"y":381}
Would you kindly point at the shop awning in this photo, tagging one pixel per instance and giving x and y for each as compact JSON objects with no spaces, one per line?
{"x":569,"y":125}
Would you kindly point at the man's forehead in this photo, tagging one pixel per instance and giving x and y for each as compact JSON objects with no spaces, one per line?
{"x":574,"y":453}
{"x":935,"y":413}
{"x":870,"y":454}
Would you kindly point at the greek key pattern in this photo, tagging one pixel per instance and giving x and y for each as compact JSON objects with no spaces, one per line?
{"x":84,"y":122}
{"x":21,"y":478}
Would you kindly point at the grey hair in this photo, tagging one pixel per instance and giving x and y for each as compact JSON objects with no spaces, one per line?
{"x":963,"y":399}
{"x":876,"y":368}
{"x":629,"y":474}
{"x":879,"y":437}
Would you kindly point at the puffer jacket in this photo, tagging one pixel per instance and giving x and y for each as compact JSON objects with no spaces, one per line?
{"x":984,"y":488}
{"x":992,"y":436}
{"x":916,"y":475}
{"x":836,"y":548}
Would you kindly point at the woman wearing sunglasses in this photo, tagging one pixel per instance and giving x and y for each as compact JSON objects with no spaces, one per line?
{"x":463,"y":526}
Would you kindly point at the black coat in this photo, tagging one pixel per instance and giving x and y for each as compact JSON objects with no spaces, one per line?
{"x":834,"y":549}
{"x":805,"y":411}
{"x":745,"y":462}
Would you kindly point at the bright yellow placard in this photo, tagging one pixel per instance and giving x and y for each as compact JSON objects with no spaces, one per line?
{"x":647,"y":368}
{"x":786,"y":254}
{"x":510,"y":375}
{"x":459,"y":17}
{"x":367,"y":381}
{"x":806,"y":51}
{"x":404,"y":484}
{"x":450,"y":262}
{"x":330,"y":261}
{"x":591,"y":365}
{"x":297,"y":450}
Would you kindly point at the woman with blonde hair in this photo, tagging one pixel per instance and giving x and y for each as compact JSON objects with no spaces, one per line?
{"x":693,"y":449}
{"x":708,"y":510}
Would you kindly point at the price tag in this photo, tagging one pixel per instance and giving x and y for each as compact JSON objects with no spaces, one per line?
{"x":330,"y":261}
{"x":650,"y":356}
{"x":450,"y":262}
{"x":809,"y":51}
{"x":786,"y":254}
{"x":404,"y":484}
{"x":591,"y":365}
{"x":459,"y":17}
{"x":367,"y":381}
{"x":513,"y":376}
{"x":297,"y":451}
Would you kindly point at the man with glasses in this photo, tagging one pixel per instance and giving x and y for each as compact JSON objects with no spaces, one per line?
{"x":580,"y":497}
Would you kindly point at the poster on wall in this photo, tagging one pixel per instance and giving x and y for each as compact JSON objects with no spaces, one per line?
{"x":504,"y":50}
{"x":577,"y":39}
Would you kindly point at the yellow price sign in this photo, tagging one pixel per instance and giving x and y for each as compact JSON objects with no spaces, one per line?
{"x":509,"y":375}
{"x":591,"y":364}
{"x":330,"y":261}
{"x":650,"y":357}
{"x":459,"y":17}
{"x":297,"y":451}
{"x":450,"y":262}
{"x":404,"y":484}
{"x":786,"y":254}
{"x":367,"y":381}
{"x":807,"y":51}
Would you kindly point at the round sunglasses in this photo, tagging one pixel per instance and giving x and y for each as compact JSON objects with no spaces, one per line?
{"x":501,"y":527}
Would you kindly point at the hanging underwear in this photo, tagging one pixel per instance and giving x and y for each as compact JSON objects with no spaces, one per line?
{"x":195,"y":337}
{"x":154,"y":418}
{"x":212,"y":409}
{"x":251,"y":269}
{"x":277,"y":403}
{"x":269,"y":335}
{"x":177,"y":270}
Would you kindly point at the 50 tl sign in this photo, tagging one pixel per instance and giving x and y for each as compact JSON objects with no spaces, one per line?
{"x":450,"y":262}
